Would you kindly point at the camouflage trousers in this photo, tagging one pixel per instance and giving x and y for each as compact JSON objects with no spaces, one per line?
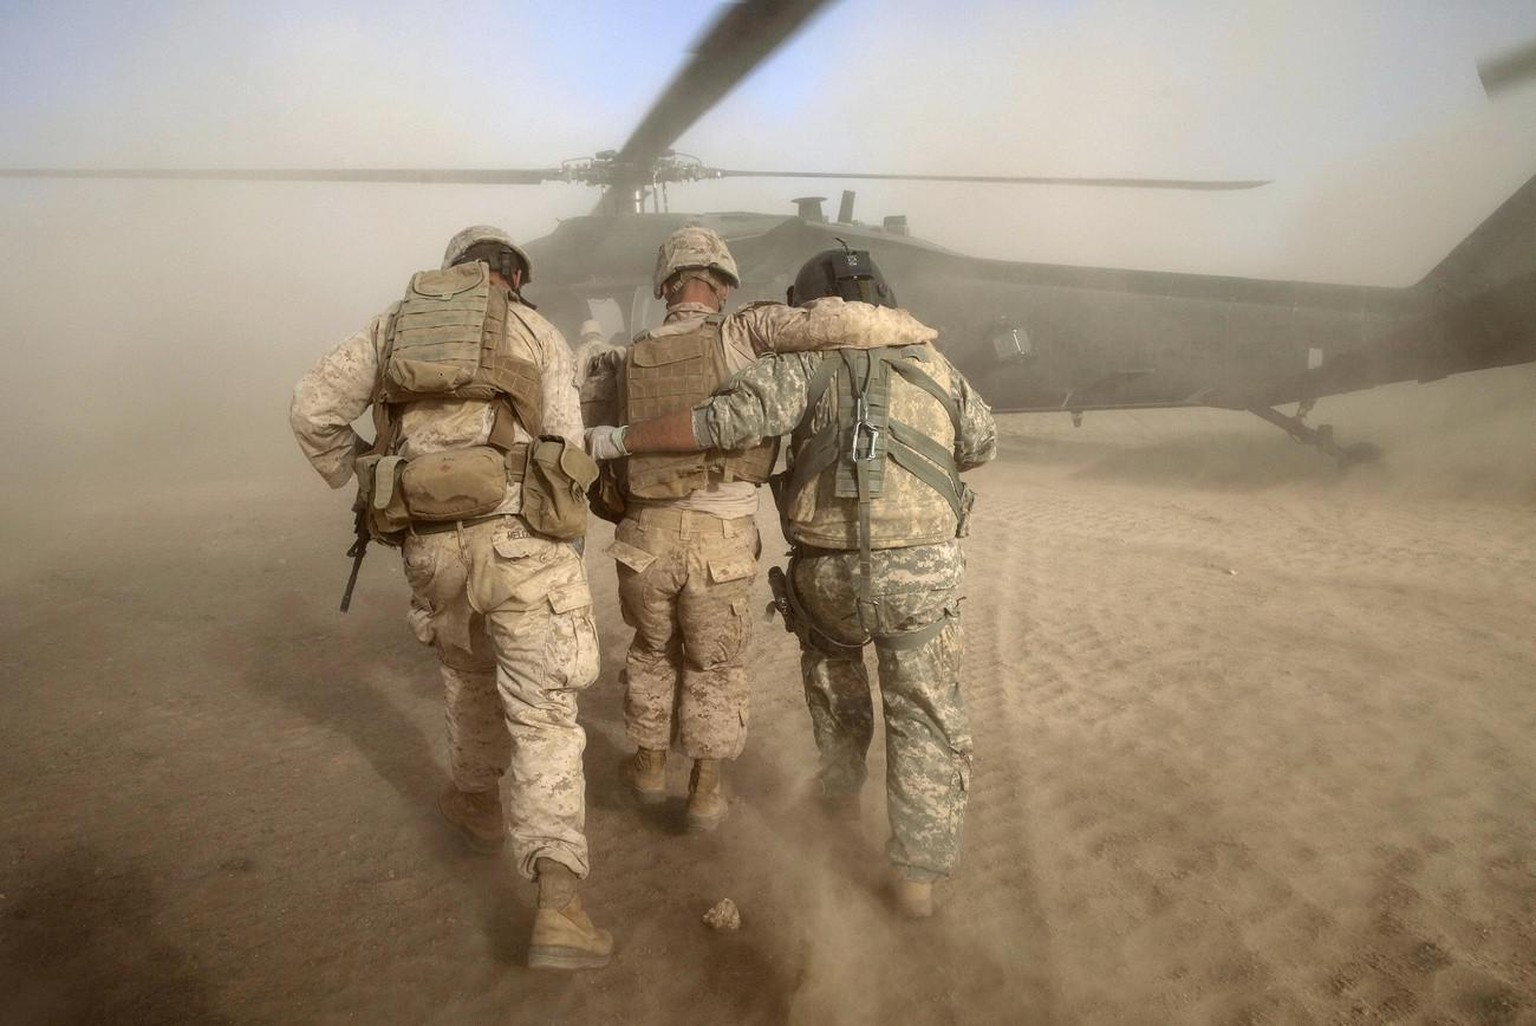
{"x":927,"y":736}
{"x":510,"y":615}
{"x":684,"y":582}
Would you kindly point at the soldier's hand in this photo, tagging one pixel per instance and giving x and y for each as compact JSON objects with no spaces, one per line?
{"x":606,"y":442}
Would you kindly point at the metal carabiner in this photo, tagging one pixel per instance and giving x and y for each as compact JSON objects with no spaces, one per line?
{"x":861,"y":431}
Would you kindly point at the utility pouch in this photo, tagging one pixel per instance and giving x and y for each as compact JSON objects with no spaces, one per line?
{"x":967,"y":503}
{"x":778,"y":484}
{"x":380,"y":496}
{"x":605,"y":496}
{"x":555,"y":483}
{"x":454,"y":485}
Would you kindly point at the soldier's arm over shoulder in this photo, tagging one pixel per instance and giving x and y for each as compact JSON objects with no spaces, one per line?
{"x":828,"y":323}
{"x":600,"y":387}
{"x":562,"y":403}
{"x":977,"y":441}
{"x":331,"y":396}
{"x":764,"y":401}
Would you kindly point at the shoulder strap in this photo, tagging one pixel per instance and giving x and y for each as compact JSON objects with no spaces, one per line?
{"x":526,"y":402}
{"x":386,"y":420}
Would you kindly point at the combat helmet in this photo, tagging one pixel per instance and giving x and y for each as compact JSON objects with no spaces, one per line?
{"x":482,"y":237}
{"x":694,"y":247}
{"x":848,"y":273}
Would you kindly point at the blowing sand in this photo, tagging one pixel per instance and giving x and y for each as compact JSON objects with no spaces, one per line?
{"x":1255,"y":745}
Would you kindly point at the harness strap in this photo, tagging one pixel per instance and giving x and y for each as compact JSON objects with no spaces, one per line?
{"x":928,"y":463}
{"x":862,"y":468}
{"x":916,"y":639}
{"x":537,"y":427}
{"x":915,"y":375}
{"x":814,"y":635}
{"x":386,"y":424}
{"x":504,"y":425}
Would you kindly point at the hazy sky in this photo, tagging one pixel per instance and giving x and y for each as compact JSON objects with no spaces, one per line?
{"x":152,"y":331}
{"x":1368,"y":116}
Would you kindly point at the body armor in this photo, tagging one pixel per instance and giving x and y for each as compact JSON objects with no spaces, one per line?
{"x":446,"y":341}
{"x":877,"y":471}
{"x":670,"y":369}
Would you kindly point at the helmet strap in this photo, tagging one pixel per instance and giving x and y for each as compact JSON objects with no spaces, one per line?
{"x":675,"y":284}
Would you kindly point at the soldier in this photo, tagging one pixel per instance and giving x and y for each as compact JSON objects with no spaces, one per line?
{"x":687,"y":545}
{"x":476,"y":417}
{"x":873,"y":504}
{"x":593,"y":346}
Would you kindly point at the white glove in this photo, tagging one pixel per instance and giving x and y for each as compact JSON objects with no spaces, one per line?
{"x":606,"y":442}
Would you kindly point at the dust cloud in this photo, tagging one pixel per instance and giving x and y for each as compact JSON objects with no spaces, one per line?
{"x":1252,"y":732}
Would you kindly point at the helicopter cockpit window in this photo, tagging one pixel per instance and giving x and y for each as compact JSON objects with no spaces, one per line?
{"x":645,"y":311}
{"x":1010,"y":342}
{"x":610,"y":314}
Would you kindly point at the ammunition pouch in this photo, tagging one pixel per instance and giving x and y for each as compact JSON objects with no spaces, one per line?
{"x":605,"y":496}
{"x":459,"y":484}
{"x":555,"y":482}
{"x":468,"y":484}
{"x":967,"y":504}
{"x":380,"y":498}
{"x":456,"y":484}
{"x":778,"y":586}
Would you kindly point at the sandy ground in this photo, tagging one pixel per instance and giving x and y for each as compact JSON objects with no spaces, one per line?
{"x":1255,"y":745}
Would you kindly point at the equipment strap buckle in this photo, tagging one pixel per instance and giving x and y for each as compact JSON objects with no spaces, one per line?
{"x":384,"y":481}
{"x":866,"y":437}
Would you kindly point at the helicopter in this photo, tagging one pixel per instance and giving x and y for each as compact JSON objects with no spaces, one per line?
{"x":1032,"y":337}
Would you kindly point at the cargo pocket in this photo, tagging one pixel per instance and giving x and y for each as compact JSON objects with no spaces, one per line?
{"x":570,"y":644}
{"x":721,"y":640}
{"x":723,"y":569}
{"x":504,"y":572}
{"x":963,"y":771}
{"x":419,"y":616}
{"x":419,"y":561}
{"x":631,"y":556}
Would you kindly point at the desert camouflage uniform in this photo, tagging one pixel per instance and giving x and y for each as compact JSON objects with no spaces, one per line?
{"x":509,"y":613}
{"x":686,"y":566}
{"x":593,"y":346}
{"x":928,"y":739}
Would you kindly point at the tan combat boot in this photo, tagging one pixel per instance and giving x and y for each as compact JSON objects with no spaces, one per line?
{"x":646,"y":774}
{"x":707,"y":804}
{"x":563,"y":935}
{"x":476,"y":815}
{"x":914,"y":898}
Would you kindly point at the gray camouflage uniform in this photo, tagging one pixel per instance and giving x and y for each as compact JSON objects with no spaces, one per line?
{"x":928,"y":739}
{"x":508,"y":612}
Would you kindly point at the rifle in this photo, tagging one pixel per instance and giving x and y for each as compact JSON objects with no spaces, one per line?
{"x":358,"y":550}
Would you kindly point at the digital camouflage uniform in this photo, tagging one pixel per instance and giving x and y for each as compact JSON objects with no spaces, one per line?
{"x":928,"y":740}
{"x":508,"y":612}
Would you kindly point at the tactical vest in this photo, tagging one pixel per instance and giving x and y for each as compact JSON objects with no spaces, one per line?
{"x":877,"y":471}
{"x":674,"y":368}
{"x":446,"y":340}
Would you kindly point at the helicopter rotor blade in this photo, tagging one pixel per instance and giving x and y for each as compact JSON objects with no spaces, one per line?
{"x":1114,"y":183}
{"x":1504,"y":70}
{"x":742,"y":35}
{"x":504,"y":176}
